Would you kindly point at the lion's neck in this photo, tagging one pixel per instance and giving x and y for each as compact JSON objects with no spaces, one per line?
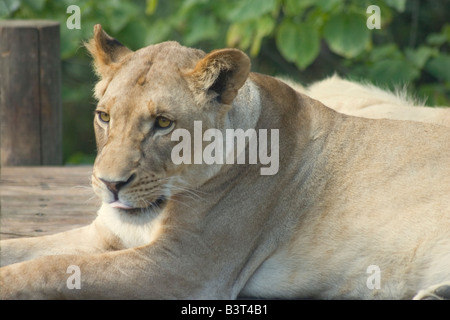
{"x":246,"y":108}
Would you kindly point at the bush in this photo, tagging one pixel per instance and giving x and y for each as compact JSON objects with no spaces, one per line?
{"x":305,"y":40}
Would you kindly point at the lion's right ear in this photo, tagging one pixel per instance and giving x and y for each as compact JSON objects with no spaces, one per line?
{"x":220,"y":74}
{"x":106,"y":51}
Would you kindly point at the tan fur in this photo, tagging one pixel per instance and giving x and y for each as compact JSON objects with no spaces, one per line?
{"x":350,"y":193}
{"x":368,"y":101}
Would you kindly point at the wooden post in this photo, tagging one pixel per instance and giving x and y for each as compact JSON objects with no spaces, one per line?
{"x":30,"y":93}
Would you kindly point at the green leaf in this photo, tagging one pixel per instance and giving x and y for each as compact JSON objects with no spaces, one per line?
{"x":418,"y":57}
{"x":37,"y":5}
{"x":264,"y":27}
{"x":436,"y":39}
{"x":150,"y":7}
{"x":158,"y":31}
{"x":446,"y":31}
{"x":240,"y":35}
{"x":70,"y":41}
{"x":251,"y":9}
{"x":204,"y":27}
{"x":299,"y":43}
{"x":398,"y":5}
{"x":250,"y":33}
{"x":119,"y":14}
{"x":439,"y":67}
{"x":7,"y":7}
{"x":316,"y":17}
{"x":329,"y":5}
{"x":383,"y":52}
{"x":435,"y":94}
{"x":134,"y":33}
{"x":393,"y":72}
{"x":347,"y":34}
{"x":295,"y":7}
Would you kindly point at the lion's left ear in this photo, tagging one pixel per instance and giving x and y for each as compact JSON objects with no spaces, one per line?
{"x":106,"y":51}
{"x":220,"y":74}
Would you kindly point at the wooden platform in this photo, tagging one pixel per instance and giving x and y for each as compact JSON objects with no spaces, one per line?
{"x":36,"y":201}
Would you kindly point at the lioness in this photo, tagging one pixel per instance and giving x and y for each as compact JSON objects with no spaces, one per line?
{"x":359,"y":208}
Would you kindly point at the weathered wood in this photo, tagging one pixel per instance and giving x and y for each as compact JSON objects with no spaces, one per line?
{"x":50,"y":96}
{"x":36,"y":201}
{"x":30,"y":93}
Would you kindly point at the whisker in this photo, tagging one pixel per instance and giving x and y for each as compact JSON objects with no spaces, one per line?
{"x":191,"y":193}
{"x":176,"y":183}
{"x":81,"y":187}
{"x":181,"y":203}
{"x":94,"y":197}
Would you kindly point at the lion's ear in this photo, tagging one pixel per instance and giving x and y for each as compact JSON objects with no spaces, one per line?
{"x":220,"y":74}
{"x":105,"y":50}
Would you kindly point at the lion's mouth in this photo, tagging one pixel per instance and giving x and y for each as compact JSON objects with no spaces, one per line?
{"x":157,"y":204}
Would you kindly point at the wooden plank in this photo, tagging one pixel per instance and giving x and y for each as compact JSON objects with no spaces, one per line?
{"x":36,"y":201}
{"x":50,"y":94}
{"x":19,"y":92}
{"x":30,"y":93}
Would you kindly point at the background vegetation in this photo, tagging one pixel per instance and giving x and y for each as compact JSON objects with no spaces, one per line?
{"x":303,"y":39}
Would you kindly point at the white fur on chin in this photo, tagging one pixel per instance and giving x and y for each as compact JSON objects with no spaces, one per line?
{"x":133,"y":229}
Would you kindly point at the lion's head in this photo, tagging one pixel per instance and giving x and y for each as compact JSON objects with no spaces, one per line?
{"x":142,"y":97}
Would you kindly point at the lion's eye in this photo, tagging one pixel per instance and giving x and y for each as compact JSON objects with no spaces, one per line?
{"x":103,"y":116}
{"x":163,"y":122}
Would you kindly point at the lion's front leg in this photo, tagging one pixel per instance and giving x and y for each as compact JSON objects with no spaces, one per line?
{"x":144,"y":273}
{"x":90,"y":239}
{"x":63,"y":277}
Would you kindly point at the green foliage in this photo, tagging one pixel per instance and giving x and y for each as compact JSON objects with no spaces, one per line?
{"x":344,"y":34}
{"x":298,"y":42}
{"x":303,"y":39}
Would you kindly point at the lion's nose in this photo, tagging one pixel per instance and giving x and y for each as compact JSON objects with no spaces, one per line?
{"x":115,"y":186}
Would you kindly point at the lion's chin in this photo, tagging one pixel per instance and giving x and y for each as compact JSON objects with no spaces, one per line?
{"x":153,"y":206}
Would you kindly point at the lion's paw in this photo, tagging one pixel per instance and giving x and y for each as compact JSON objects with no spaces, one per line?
{"x":437,"y":292}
